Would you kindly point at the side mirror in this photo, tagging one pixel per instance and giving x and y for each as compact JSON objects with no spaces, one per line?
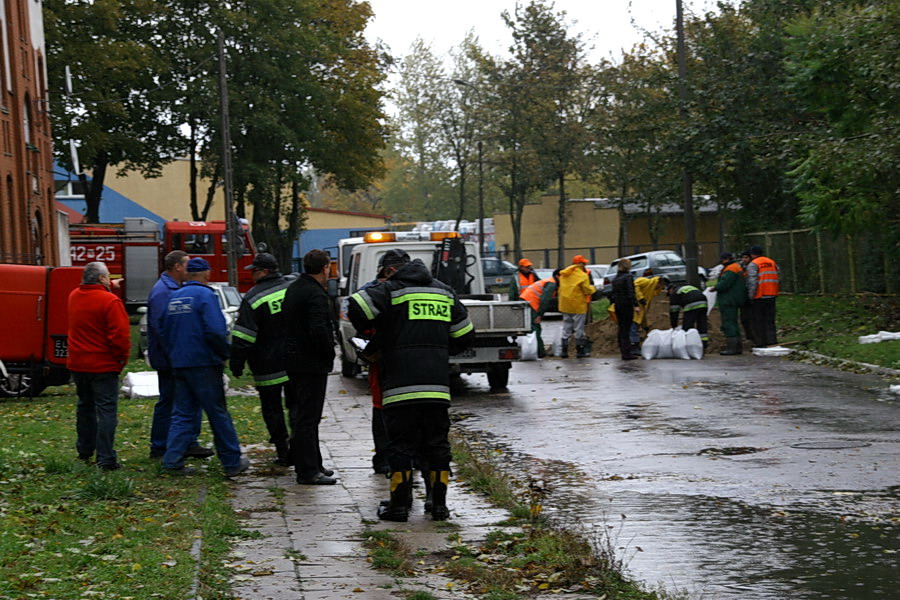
{"x":262,"y":247}
{"x":332,"y":288}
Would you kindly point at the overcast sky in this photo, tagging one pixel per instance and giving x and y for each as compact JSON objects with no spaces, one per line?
{"x":604,"y":24}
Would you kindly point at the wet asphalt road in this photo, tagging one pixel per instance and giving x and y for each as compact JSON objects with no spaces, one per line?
{"x":698,"y":470}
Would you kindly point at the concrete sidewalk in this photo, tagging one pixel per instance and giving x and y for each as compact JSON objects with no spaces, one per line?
{"x":312,"y":536}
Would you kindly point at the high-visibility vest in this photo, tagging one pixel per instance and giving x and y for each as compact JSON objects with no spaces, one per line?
{"x":526,"y":280}
{"x":532,"y":294}
{"x":767,"y":282}
{"x":735,"y":268}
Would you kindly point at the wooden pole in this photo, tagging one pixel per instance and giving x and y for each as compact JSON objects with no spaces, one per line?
{"x":230,"y":232}
{"x":821,"y":261}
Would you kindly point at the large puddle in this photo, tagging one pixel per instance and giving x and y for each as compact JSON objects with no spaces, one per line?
{"x":712,"y":548}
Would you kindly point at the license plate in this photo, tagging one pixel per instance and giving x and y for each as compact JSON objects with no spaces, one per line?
{"x":60,"y":348}
{"x":498,"y":280}
{"x":467,"y":353}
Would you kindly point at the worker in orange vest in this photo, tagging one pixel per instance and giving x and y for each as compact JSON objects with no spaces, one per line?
{"x":763,"y":284}
{"x":522,"y":278}
{"x":539,"y":295}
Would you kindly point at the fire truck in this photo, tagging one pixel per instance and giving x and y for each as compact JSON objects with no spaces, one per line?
{"x":133,"y":251}
{"x":33,"y":341}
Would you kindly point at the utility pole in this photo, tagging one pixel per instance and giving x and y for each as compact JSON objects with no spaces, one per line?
{"x":480,"y":198}
{"x":687,"y":186}
{"x":230,"y":219}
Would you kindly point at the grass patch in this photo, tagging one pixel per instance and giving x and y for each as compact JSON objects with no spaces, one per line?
{"x":387,"y":553}
{"x":534,"y":557}
{"x":72,"y":531}
{"x":831,"y":325}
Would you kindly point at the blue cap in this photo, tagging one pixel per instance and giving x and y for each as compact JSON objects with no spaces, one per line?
{"x":197,"y":265}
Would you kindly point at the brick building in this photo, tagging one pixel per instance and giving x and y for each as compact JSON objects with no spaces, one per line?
{"x":28,"y":217}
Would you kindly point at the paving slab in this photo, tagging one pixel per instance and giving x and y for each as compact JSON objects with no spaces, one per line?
{"x":312,"y":536}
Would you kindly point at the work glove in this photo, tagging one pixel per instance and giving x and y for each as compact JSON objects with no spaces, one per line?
{"x":236,"y":366}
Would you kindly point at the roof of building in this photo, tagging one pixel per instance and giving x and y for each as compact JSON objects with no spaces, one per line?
{"x":348,"y":212}
{"x":114,"y":207}
{"x":702,"y":204}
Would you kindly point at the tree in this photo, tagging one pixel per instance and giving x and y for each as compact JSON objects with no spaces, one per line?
{"x":119,"y":114}
{"x":841,"y":67}
{"x":562,"y":91}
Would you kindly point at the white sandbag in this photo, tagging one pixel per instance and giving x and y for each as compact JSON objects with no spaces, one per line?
{"x":650,"y":347}
{"x":895,"y":389}
{"x":679,"y":348}
{"x":557,"y":343}
{"x":665,"y":343}
{"x":528,"y":346}
{"x":881,"y":336}
{"x":773,"y":351}
{"x":693,"y":343}
{"x":144,"y":384}
{"x":711,"y":295}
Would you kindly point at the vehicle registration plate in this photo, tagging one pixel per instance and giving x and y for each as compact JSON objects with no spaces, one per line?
{"x":467,"y":353}
{"x":60,"y":347}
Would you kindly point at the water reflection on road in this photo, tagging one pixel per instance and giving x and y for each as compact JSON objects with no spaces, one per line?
{"x":692,"y":468}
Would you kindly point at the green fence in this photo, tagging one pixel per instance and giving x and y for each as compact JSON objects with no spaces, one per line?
{"x":814,"y":262}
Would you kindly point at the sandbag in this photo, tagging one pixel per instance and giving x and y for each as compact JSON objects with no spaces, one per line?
{"x":528,"y":346}
{"x":711,"y":295}
{"x":665,"y":344}
{"x":650,"y":347}
{"x":557,"y":348}
{"x":693,"y":343}
{"x":143,"y":384}
{"x":679,"y":349}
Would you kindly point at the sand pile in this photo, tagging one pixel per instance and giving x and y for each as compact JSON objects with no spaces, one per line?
{"x":603,"y":333}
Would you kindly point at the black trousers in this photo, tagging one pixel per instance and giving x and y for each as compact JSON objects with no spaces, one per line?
{"x":762,"y":320}
{"x":696,"y":319}
{"x":418,"y":431}
{"x":624,"y":317}
{"x":273,"y":411}
{"x":306,"y":414}
{"x":380,"y":438}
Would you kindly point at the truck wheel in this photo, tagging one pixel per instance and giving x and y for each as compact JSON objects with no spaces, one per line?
{"x":498,"y":376}
{"x":20,"y":385}
{"x":349,"y":369}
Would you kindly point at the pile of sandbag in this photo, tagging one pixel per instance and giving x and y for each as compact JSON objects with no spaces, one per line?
{"x":672,"y":343}
{"x":143,"y":384}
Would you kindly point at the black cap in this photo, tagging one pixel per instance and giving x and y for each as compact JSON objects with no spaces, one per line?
{"x":263,"y":260}
{"x":726,"y":256}
{"x":756,"y":251}
{"x":393,"y":258}
{"x":746,"y":252}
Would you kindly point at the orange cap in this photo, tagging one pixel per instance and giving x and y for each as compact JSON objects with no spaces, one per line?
{"x":579,"y":259}
{"x":524,"y":262}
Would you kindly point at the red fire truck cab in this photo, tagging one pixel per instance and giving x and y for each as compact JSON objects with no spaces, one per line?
{"x":34,"y":339}
{"x":134,"y":252}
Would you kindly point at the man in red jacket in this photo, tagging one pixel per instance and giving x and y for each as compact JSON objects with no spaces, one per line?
{"x":99,"y":342}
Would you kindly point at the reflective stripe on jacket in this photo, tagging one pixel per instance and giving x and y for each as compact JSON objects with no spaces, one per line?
{"x":532,"y":293}
{"x":259,"y":331}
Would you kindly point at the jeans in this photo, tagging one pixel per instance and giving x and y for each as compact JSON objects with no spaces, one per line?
{"x":96,"y":415}
{"x":306,"y":413}
{"x":196,"y":389}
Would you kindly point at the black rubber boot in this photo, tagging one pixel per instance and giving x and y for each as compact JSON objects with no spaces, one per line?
{"x":397,"y":508}
{"x":565,"y":348}
{"x":284,"y":454}
{"x":733,"y":346}
{"x":582,"y":348}
{"x":439,"y":482}
{"x":429,"y":499}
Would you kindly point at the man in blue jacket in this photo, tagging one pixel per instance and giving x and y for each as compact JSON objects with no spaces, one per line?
{"x":195,"y":338}
{"x":170,"y":280}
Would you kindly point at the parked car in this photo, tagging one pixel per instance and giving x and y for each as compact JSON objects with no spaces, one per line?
{"x":229,"y":302}
{"x":598,"y":272}
{"x":498,"y":274}
{"x":657,"y":262}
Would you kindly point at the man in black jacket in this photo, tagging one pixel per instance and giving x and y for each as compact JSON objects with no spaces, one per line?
{"x":258,"y":340}
{"x":418,"y":323}
{"x":309,"y":356}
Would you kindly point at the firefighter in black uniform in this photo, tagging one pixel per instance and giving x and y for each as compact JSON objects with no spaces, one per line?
{"x":694,"y":304}
{"x":418,"y":323}
{"x":258,"y":340}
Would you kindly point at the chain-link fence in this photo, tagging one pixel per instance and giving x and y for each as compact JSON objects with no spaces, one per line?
{"x":814,"y":262}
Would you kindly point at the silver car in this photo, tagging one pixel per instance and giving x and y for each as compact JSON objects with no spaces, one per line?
{"x":650,"y":264}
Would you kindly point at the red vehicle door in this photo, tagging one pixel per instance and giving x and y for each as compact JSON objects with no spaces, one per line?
{"x":23,"y":298}
{"x":205,"y":239}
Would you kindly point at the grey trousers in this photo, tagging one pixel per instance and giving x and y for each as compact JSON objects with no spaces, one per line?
{"x":574,"y":324}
